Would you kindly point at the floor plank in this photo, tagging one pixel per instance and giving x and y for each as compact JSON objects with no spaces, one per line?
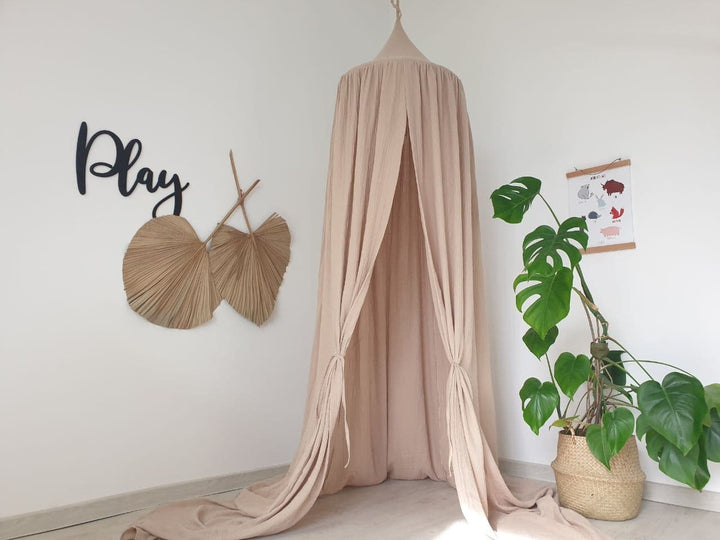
{"x":420,"y":510}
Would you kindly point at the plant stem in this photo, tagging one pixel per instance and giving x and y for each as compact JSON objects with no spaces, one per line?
{"x":619,"y":366}
{"x":587,"y":399}
{"x":623,"y":403}
{"x":598,"y":391}
{"x":665,"y":364}
{"x":577,"y":408}
{"x":616,"y":342}
{"x":583,"y":283}
{"x":595,"y":311}
{"x":550,"y":208}
{"x":557,"y":407}
{"x":564,"y":414}
{"x":587,"y":314}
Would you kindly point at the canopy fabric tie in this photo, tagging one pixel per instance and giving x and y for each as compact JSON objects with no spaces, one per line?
{"x":337,"y":361}
{"x":458,"y":383}
{"x":396,"y":5}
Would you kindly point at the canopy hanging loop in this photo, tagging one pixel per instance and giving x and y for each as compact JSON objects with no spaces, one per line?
{"x":398,"y":44}
{"x":396,"y":5}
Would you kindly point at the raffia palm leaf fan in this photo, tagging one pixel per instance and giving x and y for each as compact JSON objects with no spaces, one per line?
{"x":249,"y":268}
{"x":167,"y":275}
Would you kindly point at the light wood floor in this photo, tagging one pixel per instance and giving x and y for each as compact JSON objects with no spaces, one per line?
{"x":421,"y":510}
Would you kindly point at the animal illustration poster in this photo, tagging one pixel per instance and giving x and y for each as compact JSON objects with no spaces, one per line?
{"x":602,"y":196}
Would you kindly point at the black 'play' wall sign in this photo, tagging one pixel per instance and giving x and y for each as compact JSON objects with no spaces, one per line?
{"x":125,"y":158}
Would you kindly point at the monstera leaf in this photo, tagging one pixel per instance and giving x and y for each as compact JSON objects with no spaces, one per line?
{"x":712,"y":422}
{"x":545,"y":243}
{"x":690,"y":468}
{"x":537,"y":345}
{"x":571,"y":371}
{"x":552,"y":289}
{"x":675,"y":409}
{"x":712,"y":437}
{"x":607,"y":440}
{"x":654,"y":444}
{"x":539,"y":400}
{"x":511,"y":201}
{"x":642,"y":426}
{"x":712,"y":396}
{"x":712,"y":399}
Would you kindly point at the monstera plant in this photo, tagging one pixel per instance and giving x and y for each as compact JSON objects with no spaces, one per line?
{"x":610,"y":393}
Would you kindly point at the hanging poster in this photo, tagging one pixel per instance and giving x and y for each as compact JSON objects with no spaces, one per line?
{"x":603,"y":198}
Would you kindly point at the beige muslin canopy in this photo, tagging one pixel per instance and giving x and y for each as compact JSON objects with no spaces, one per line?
{"x":400,"y":382}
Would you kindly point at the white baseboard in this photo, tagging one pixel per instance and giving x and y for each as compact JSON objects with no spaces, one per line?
{"x":66,"y":516}
{"x":654,"y":491}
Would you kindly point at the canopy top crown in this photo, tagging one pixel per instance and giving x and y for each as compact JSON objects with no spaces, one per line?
{"x":398,"y":44}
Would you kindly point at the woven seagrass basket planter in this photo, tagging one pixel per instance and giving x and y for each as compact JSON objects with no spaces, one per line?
{"x":586,"y":486}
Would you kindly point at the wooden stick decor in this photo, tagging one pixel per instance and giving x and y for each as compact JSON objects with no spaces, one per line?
{"x":172,"y":280}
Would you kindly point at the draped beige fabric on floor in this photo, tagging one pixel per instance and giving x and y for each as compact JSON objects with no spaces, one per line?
{"x":400,"y":383}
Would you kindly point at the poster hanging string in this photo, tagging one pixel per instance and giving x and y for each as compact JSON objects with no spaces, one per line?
{"x":601,"y":170}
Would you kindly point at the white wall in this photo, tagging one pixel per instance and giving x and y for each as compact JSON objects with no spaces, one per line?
{"x":557,"y":84}
{"x":96,"y":401}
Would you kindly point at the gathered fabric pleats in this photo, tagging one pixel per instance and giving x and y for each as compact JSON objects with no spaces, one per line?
{"x":400,"y":383}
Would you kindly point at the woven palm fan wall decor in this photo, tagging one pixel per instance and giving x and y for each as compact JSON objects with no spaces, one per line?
{"x":174,"y":279}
